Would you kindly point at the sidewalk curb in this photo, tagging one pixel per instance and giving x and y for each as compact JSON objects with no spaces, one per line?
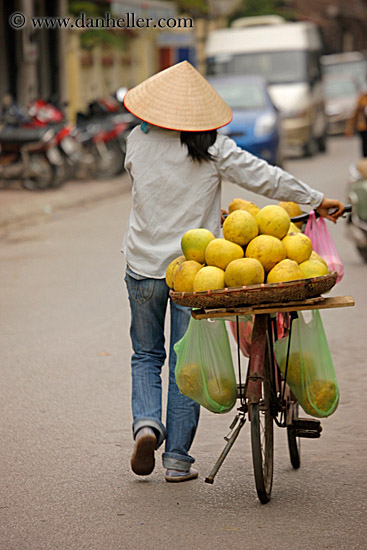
{"x":44,"y":206}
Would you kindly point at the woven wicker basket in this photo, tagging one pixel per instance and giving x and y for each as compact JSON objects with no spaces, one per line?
{"x":257,"y":294}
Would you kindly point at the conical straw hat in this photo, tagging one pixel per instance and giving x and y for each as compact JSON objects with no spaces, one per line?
{"x":178,"y":98}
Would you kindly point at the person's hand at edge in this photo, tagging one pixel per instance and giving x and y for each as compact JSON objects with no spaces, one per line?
{"x":222,"y":214}
{"x":328,"y":204}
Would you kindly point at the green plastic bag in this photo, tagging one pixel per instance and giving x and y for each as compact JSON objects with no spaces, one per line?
{"x":204,"y":369}
{"x":310,"y":374}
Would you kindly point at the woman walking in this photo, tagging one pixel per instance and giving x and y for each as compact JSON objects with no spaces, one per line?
{"x":176,"y":161}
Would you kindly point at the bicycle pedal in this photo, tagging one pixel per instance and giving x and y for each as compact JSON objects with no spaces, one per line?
{"x":310,"y":434}
{"x":307,"y":424}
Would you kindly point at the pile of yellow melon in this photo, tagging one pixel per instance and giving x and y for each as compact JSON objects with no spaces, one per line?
{"x":258,"y":246}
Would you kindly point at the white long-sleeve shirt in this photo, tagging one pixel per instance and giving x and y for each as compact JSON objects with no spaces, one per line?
{"x":172,"y":194}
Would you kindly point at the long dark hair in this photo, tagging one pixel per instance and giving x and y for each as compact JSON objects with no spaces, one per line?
{"x":198,"y":144}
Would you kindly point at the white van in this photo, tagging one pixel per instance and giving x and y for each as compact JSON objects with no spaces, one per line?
{"x":287,"y":55}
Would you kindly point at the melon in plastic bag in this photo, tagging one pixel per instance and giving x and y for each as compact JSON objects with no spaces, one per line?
{"x":204,"y":368}
{"x":310,"y":374}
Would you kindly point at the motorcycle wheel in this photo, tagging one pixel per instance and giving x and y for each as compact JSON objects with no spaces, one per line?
{"x":113,"y":163}
{"x":61,"y":174}
{"x":87,"y":168}
{"x":41,"y":174}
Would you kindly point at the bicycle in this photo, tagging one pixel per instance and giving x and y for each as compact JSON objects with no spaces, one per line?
{"x":265,"y":397}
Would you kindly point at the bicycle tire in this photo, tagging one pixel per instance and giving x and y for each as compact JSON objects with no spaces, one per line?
{"x":294,"y":442}
{"x":262,"y":436}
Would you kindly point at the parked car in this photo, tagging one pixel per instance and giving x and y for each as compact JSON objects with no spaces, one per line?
{"x":341,"y":95}
{"x":256,"y":125}
{"x":349,"y":64}
{"x":287,"y":55}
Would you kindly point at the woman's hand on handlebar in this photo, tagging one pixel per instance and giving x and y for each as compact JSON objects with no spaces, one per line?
{"x":330,"y":209}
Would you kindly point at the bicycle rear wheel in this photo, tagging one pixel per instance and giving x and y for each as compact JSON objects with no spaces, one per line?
{"x":294,"y":443}
{"x":262,"y":440}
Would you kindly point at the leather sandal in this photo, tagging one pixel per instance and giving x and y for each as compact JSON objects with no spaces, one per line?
{"x":142,"y":460}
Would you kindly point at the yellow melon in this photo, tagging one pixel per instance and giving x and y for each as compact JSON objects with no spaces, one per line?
{"x":268,"y":250}
{"x":273,"y":220}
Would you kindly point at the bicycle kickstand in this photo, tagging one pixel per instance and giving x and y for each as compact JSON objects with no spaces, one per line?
{"x":227,"y":448}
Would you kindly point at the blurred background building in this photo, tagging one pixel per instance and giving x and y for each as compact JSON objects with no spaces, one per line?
{"x":343,"y":24}
{"x":32,"y":63}
{"x":76,"y":65}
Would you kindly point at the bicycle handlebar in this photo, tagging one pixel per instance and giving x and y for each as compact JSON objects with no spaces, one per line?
{"x":304,"y":217}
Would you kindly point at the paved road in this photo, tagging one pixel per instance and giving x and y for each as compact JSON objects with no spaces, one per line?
{"x":65,"y":481}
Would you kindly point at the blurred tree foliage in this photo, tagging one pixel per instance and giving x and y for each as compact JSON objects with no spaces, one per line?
{"x":263,"y":7}
{"x":194,"y":8}
{"x":91,"y":9}
{"x":201,"y":8}
{"x":98,"y":36}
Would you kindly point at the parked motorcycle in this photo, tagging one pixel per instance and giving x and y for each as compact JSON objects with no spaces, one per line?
{"x":357,"y":196}
{"x":104,"y":129}
{"x":94,"y":148}
{"x":28,"y":148}
{"x":26,"y":155}
{"x":75,"y":162}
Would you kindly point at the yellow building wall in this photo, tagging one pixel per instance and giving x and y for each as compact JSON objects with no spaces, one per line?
{"x":72,"y":66}
{"x":93,"y":73}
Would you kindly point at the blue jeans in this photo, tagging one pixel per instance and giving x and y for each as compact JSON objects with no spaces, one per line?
{"x":148,"y":303}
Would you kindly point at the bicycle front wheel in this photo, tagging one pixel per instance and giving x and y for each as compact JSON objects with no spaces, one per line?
{"x":262,"y":436}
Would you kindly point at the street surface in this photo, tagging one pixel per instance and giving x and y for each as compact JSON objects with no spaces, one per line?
{"x":65,"y":479}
